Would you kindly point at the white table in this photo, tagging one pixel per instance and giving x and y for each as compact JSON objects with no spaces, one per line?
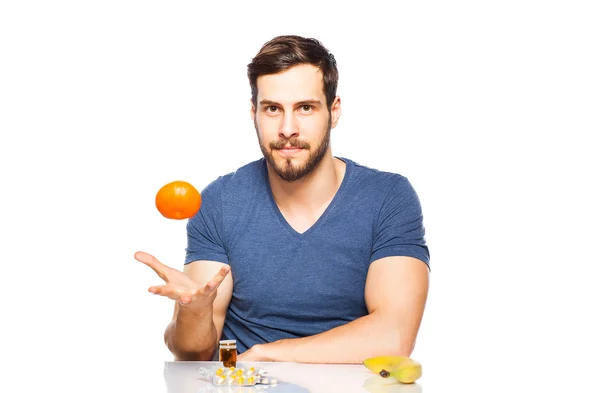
{"x":183,"y":377}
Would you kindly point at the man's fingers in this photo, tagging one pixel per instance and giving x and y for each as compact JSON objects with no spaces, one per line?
{"x":171,"y":292}
{"x":185,"y":299}
{"x":217,"y":279}
{"x":154,"y":263}
{"x":183,"y":293}
{"x":161,"y":290}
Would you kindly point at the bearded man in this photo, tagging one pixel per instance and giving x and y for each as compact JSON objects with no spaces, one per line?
{"x":300,"y":255}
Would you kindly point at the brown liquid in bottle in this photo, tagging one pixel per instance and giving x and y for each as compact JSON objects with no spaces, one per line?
{"x":228,"y":353}
{"x":228,"y":356}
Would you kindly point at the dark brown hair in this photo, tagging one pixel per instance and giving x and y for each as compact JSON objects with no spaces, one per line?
{"x":286,"y":51}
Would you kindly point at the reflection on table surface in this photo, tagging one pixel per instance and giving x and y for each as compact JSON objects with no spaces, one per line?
{"x":184,"y":377}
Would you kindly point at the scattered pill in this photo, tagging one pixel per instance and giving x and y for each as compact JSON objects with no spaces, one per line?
{"x":233,"y":376}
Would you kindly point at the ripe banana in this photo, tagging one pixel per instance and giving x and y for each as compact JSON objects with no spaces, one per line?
{"x":401,"y":368}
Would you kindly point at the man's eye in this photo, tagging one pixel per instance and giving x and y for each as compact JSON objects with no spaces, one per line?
{"x":271,"y":108}
{"x":306,"y":108}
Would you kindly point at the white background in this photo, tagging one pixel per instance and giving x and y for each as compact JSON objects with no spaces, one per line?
{"x":488,"y":108}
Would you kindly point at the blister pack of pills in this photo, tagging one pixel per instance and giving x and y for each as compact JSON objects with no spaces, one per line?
{"x":237,"y":376}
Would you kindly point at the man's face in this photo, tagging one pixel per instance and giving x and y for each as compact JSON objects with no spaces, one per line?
{"x":292,"y":121}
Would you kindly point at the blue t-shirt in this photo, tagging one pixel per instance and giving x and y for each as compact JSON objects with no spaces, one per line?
{"x":287,"y":284}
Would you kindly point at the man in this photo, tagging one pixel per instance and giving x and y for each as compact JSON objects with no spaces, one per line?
{"x":300,"y":256}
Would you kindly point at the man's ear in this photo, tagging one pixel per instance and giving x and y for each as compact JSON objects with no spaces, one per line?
{"x":252,"y":110}
{"x":336,"y":111}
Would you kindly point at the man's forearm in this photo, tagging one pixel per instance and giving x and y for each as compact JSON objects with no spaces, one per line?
{"x":369,"y":336}
{"x":192,"y":334}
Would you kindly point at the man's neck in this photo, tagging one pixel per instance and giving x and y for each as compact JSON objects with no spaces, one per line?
{"x":312,"y":193}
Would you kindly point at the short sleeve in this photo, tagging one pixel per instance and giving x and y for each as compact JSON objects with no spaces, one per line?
{"x":399,"y":229}
{"x":205,"y":240}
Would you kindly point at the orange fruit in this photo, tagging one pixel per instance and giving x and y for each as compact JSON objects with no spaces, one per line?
{"x":178,"y":200}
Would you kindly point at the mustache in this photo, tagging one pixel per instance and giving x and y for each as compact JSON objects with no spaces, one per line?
{"x":293,"y":142}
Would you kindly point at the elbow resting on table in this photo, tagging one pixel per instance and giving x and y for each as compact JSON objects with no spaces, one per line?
{"x":398,"y":342}
{"x":190,"y":356}
{"x":395,"y":345}
{"x":183,"y":352}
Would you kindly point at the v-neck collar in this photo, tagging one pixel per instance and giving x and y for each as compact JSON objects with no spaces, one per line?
{"x":335,"y":201}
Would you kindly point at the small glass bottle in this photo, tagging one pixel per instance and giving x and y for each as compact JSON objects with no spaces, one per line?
{"x":228,"y":353}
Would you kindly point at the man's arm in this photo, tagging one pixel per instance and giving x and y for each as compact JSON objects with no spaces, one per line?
{"x":202,"y":294}
{"x":395,"y":293}
{"x":194,"y":331}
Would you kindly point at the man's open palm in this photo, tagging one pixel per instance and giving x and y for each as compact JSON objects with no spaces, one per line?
{"x":178,"y":286}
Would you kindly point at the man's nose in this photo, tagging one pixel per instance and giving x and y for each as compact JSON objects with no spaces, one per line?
{"x":289,"y":126}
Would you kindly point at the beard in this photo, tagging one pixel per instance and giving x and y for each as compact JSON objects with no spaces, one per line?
{"x":288,"y":171}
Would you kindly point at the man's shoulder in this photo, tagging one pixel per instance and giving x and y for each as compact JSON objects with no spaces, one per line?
{"x":375,"y":179}
{"x":239,"y":180}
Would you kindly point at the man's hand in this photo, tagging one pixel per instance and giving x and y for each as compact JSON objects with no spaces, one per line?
{"x":270,"y":352}
{"x":255,"y":354}
{"x":178,"y":286}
